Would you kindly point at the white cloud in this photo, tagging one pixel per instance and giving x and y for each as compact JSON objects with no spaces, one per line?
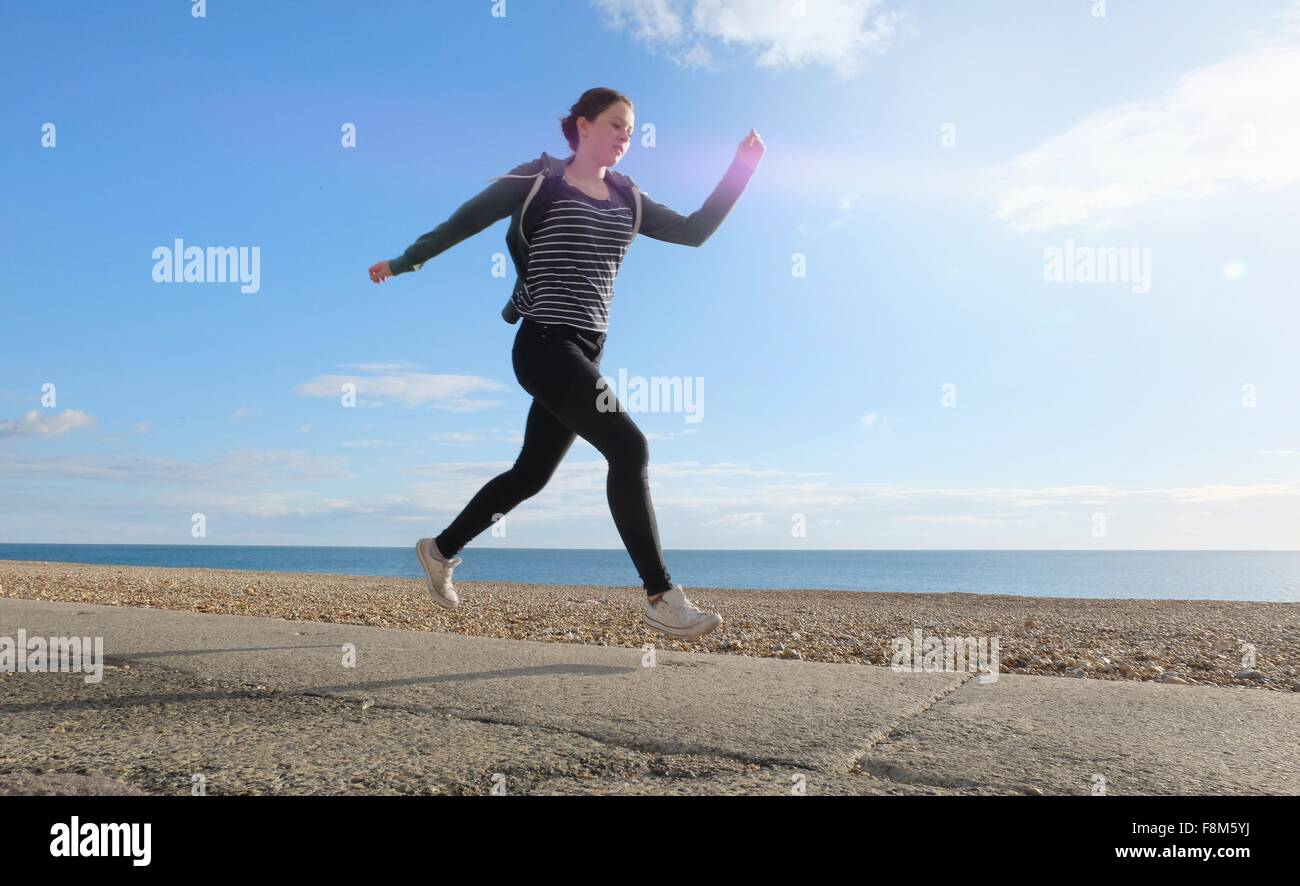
{"x":669,"y":435}
{"x":384,"y":386}
{"x":695,"y":469}
{"x":469,"y":438}
{"x":952,"y":519}
{"x":691,"y":488}
{"x":244,"y":412}
{"x":261,"y":504}
{"x":1233,"y":491}
{"x":454,"y":438}
{"x":783,"y":35}
{"x":253,"y":466}
{"x":697,"y":57}
{"x":729,"y":494}
{"x":1230,"y":126}
{"x":36,"y":423}
{"x":869,"y":420}
{"x":381,"y":367}
{"x":649,"y":20}
{"x":732,"y":498}
{"x":741,"y":520}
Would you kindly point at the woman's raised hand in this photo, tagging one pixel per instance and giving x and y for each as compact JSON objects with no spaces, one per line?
{"x":379,"y":272}
{"x":751,"y":150}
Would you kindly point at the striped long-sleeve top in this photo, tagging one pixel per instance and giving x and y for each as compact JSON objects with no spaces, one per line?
{"x":573,"y":257}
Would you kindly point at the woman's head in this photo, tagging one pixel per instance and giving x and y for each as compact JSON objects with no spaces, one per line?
{"x":600,"y":125}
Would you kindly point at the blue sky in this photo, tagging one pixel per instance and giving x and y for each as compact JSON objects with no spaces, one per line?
{"x":922,"y":161}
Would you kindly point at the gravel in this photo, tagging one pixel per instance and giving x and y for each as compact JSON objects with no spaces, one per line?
{"x":1191,"y":642}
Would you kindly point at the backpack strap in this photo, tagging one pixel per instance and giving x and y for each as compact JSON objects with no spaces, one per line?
{"x":529,"y":199}
{"x":511,"y":175}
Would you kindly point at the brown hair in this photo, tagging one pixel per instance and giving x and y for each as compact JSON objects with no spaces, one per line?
{"x":592,"y":104}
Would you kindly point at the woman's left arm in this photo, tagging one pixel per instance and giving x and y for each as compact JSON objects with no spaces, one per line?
{"x":662,"y":223}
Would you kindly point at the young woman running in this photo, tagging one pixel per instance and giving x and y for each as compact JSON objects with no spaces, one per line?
{"x":571,"y":224}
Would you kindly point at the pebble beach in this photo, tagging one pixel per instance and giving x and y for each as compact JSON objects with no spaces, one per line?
{"x":1251,"y":645}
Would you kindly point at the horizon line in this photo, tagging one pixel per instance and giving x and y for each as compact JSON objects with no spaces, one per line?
{"x":715,"y":550}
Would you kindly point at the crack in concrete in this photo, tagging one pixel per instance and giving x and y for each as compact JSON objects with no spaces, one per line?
{"x":880,"y":735}
{"x":896,"y":774}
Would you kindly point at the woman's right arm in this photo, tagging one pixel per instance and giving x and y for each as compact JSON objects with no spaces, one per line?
{"x":494,"y":203}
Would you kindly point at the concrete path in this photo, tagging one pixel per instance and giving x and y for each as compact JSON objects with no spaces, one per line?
{"x":256,"y":705}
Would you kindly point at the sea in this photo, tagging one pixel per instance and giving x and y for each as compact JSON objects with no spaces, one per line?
{"x":1271,"y":576}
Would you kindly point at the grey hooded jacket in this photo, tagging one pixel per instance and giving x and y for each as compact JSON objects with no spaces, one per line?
{"x":526,"y":191}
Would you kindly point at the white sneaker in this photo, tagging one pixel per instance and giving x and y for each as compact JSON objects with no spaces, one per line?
{"x":679,"y":617}
{"x":439,"y":573}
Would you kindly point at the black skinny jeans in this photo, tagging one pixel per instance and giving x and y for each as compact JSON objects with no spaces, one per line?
{"x":559,"y":365}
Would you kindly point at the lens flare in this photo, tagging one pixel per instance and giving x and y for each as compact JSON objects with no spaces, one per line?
{"x":1235,"y":270}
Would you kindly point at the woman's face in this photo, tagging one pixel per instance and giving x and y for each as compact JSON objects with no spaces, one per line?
{"x":607,"y":138}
